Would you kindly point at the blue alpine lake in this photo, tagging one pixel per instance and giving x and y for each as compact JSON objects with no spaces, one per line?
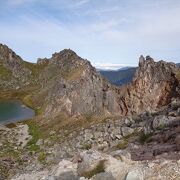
{"x":14,"y":110}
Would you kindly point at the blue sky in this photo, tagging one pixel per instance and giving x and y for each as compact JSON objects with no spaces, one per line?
{"x":105,"y":32}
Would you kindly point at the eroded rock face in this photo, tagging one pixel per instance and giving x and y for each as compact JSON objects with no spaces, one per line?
{"x":153,"y":86}
{"x":74,"y":87}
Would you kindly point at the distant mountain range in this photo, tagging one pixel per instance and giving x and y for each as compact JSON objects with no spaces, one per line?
{"x":121,"y":76}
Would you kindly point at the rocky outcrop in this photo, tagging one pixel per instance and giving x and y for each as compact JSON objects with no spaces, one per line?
{"x":14,"y":74}
{"x":71,"y":85}
{"x":154,"y":85}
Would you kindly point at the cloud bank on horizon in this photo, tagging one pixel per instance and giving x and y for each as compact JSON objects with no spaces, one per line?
{"x":103,"y":31}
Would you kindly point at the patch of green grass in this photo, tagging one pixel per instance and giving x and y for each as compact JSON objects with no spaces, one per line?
{"x":98,"y":169}
{"x":33,"y":147}
{"x":42,"y":157}
{"x":35,"y":68}
{"x":36,"y":134}
{"x":24,"y":95}
{"x":122,"y":145}
{"x":28,"y":100}
{"x":39,"y":111}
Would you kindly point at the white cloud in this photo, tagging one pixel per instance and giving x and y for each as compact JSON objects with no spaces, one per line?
{"x":111,"y":66}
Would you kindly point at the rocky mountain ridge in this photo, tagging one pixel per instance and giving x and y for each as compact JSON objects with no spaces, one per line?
{"x":68,"y":83}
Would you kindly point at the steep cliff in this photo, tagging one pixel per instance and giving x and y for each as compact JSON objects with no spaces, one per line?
{"x":153,"y":86}
{"x":69,"y":84}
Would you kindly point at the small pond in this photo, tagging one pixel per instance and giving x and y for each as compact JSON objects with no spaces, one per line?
{"x":14,"y":110}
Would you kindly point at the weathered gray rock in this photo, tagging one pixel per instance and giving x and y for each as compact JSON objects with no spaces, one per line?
{"x":103,"y":176}
{"x":65,"y":168}
{"x":69,"y":175}
{"x":90,"y":161}
{"x":126,"y":131}
{"x":128,"y":121}
{"x":135,"y":175}
{"x":160,"y":121}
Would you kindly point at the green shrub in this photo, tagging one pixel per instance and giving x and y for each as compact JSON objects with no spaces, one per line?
{"x":144,"y":137}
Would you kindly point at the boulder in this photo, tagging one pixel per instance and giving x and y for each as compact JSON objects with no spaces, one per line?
{"x":128,"y":121}
{"x":126,"y":131}
{"x":65,"y":168}
{"x":69,"y":175}
{"x":135,"y":175}
{"x":103,"y":176}
{"x":94,"y":162}
{"x":160,"y":121}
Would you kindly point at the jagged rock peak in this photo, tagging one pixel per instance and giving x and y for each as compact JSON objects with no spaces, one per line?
{"x":68,"y":57}
{"x":149,"y":58}
{"x":149,"y":69}
{"x":66,"y":53}
{"x":7,"y":54}
{"x":3,"y":46}
{"x":141,"y":60}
